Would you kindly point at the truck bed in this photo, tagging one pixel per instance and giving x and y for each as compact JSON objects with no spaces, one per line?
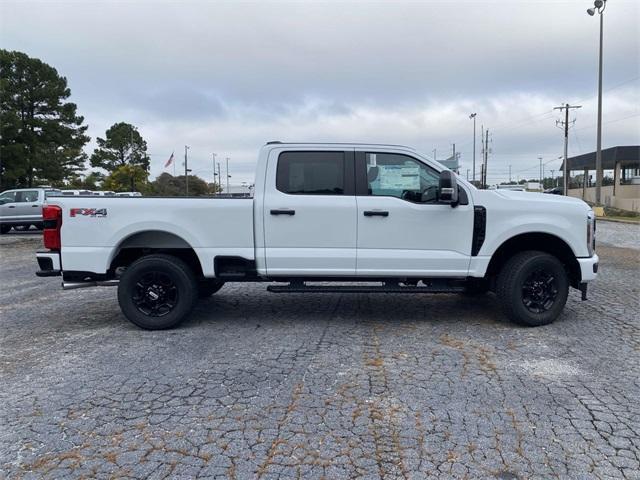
{"x":93,"y":226}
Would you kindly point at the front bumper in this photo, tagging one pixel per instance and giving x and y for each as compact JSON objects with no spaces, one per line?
{"x":588,"y":268}
{"x":49,"y":263}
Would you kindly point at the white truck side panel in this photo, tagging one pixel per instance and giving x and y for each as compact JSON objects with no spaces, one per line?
{"x":512,"y":213}
{"x":211,"y":226}
{"x":563,"y":217}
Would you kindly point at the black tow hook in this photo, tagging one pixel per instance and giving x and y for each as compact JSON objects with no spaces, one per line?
{"x":583,"y":289}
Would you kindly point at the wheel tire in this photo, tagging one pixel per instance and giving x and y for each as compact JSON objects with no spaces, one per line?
{"x":209,"y":287}
{"x":513,"y":285}
{"x":5,"y":229}
{"x":164,"y":277}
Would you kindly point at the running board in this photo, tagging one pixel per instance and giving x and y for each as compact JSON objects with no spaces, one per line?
{"x":385,"y":288}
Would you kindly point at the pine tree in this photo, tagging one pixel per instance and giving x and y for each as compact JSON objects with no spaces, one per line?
{"x":42,"y":136}
{"x":122,"y":150}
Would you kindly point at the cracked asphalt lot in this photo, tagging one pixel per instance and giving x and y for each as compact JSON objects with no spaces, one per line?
{"x":259,"y":385}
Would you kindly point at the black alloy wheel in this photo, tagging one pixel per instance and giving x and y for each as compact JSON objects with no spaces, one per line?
{"x":532,"y":287}
{"x":539,"y":291}
{"x":155,"y":294}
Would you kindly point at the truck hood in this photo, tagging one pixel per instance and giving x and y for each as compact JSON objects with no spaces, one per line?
{"x":546,"y":198}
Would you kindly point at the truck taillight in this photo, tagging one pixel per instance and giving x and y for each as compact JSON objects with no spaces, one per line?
{"x":52,"y":219}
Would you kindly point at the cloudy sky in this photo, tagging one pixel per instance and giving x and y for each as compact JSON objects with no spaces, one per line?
{"x":226,"y":77}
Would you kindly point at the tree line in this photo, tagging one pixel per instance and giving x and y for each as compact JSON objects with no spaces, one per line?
{"x":42,"y":139}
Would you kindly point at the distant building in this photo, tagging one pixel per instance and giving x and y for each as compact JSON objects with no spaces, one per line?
{"x":621,"y":172}
{"x":452,"y":163}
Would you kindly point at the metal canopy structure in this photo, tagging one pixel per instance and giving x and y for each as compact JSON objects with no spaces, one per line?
{"x":625,"y":156}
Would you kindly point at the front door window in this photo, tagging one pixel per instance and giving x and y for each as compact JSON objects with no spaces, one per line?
{"x":397,"y":175}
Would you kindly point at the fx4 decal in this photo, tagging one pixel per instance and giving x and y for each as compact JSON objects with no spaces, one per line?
{"x":88,"y":212}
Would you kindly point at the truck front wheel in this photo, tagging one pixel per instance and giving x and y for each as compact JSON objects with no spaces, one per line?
{"x":157,"y":292}
{"x":532,"y":288}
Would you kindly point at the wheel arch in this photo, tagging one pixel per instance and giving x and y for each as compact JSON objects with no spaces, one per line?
{"x":539,"y":241}
{"x":148,"y":242}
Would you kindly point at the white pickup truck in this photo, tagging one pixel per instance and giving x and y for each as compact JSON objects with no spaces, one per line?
{"x":327,"y":218}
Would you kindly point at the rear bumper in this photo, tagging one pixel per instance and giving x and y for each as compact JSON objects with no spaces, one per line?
{"x":588,"y":268}
{"x":49,"y":263}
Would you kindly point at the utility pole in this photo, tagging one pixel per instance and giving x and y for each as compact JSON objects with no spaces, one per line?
{"x":467,"y":174}
{"x":186,"y":171}
{"x":213,"y":162}
{"x":454,"y":155}
{"x":219,"y":178}
{"x":473,"y":115}
{"x":553,"y":179}
{"x":133,"y":180}
{"x":509,"y":173}
{"x":486,"y":158}
{"x":228,"y":176}
{"x":565,"y":170}
{"x":482,"y":155}
{"x":434,"y":154}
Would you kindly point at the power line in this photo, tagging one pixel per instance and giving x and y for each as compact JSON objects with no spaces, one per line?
{"x":610,"y":121}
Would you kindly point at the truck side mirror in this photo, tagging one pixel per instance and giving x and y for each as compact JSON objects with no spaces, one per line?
{"x":448,"y":187}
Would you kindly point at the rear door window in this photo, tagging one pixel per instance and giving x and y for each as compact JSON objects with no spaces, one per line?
{"x":27,"y":196}
{"x":311,"y":173}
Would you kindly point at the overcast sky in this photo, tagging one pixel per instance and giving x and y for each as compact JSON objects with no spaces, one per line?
{"x":226,"y":77}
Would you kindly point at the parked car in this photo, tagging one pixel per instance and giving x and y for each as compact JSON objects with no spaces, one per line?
{"x":104,"y":193}
{"x":513,"y":188}
{"x":20,"y":208}
{"x":554,"y":191}
{"x":382,"y":215}
{"x":75,"y":193}
{"x":128,"y":194}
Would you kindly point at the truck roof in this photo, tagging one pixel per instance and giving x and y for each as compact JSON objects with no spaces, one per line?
{"x":350,"y":144}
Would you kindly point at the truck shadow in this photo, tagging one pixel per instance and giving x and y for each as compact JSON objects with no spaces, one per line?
{"x":394,"y":309}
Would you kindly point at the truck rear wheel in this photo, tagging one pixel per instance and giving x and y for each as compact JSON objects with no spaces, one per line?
{"x":157,"y":292}
{"x":532,"y":288}
{"x":5,"y":229}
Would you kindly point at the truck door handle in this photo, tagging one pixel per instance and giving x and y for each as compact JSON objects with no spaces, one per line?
{"x":376,"y":213}
{"x":35,"y":206}
{"x":282,"y":211}
{"x":12,"y":206}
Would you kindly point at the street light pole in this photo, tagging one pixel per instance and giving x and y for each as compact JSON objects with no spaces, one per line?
{"x":473,"y":115}
{"x":599,"y":5}
{"x":540,"y":170}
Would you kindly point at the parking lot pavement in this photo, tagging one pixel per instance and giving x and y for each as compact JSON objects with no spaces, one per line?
{"x":258,"y":385}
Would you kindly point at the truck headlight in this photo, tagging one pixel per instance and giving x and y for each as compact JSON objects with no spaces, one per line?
{"x":591,"y":233}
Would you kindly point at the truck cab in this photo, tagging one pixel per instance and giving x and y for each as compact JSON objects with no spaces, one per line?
{"x":365,"y":218}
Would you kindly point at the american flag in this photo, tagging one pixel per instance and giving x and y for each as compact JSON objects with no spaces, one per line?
{"x":169,"y":162}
